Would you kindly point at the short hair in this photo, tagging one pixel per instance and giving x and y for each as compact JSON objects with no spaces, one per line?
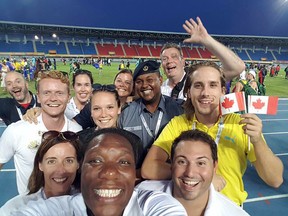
{"x":195,"y":135}
{"x":54,"y":74}
{"x":36,"y":180}
{"x":188,"y":106}
{"x":133,"y":139}
{"x":82,"y":72}
{"x":171,"y":45}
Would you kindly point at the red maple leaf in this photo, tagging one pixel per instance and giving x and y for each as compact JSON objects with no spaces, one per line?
{"x":258,"y":104}
{"x":227,"y":103}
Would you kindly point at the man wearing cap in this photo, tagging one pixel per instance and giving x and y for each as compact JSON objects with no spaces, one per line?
{"x":147,"y":116}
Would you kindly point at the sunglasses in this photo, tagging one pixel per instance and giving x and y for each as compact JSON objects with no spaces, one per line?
{"x":99,"y":87}
{"x":66,"y":135}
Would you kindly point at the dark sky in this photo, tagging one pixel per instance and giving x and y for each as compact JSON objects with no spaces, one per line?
{"x":222,"y":17}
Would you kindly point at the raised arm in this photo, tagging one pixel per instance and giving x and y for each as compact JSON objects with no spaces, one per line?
{"x":155,"y":166}
{"x":269,"y":167}
{"x":232,"y":64}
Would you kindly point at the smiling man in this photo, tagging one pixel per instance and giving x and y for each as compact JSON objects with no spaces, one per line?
{"x":108,"y":176}
{"x":12,"y":109}
{"x":193,"y":163}
{"x":204,"y":86}
{"x":148,"y":115}
{"x":21,"y":139}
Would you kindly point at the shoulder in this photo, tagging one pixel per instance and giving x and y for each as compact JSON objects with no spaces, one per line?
{"x":154,"y":185}
{"x":73,"y":126}
{"x":158,"y":203}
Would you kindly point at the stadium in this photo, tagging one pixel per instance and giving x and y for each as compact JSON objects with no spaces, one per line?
{"x":88,"y":32}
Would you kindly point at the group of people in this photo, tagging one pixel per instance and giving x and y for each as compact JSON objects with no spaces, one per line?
{"x":138,"y":128}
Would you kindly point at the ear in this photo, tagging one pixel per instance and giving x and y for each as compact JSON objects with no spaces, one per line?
{"x":223,"y":90}
{"x":188,"y":94}
{"x":161,"y":80}
{"x":215,"y":167}
{"x":40,"y":167}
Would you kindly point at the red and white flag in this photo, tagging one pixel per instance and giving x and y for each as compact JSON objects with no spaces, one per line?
{"x":234,"y":102}
{"x":262,"y":104}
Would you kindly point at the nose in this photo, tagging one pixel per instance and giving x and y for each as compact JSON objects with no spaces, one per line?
{"x":109,"y":171}
{"x":190,"y":170}
{"x":103,"y":112}
{"x":61,"y":168}
{"x":205,"y":90}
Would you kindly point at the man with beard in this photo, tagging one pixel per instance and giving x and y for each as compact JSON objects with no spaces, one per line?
{"x":148,"y":115}
{"x":12,"y":109}
{"x":22,"y":139}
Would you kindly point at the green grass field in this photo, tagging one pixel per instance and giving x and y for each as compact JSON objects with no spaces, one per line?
{"x":274,"y":85}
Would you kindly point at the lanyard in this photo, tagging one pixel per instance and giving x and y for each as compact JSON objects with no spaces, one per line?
{"x":157,"y":125}
{"x":219,"y":131}
{"x":19,"y":111}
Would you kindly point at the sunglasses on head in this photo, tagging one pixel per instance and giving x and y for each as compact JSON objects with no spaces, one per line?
{"x":66,"y":135}
{"x":99,"y":87}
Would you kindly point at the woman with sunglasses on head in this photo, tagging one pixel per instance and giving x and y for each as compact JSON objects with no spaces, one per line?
{"x":82,"y":84}
{"x":55,"y":170}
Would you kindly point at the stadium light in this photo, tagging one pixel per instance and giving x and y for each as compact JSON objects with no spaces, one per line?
{"x":54,"y":35}
{"x":36,"y":37}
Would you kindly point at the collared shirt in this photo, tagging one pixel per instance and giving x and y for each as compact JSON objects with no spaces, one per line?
{"x":141,"y":203}
{"x":233,"y":149}
{"x":21,"y":141}
{"x":218,"y":204}
{"x":166,"y":89}
{"x":130,"y":118}
{"x":10,"y":109}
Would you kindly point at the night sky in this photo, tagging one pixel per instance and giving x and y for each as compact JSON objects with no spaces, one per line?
{"x":220,"y":17}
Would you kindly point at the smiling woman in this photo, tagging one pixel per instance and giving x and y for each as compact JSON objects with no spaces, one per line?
{"x":54,"y":172}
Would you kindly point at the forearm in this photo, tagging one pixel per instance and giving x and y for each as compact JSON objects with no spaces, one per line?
{"x":232,"y":64}
{"x":156,"y":170}
{"x":269,"y":167}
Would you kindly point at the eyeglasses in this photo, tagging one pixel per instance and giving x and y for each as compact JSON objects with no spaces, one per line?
{"x":66,"y":135}
{"x":99,"y":87}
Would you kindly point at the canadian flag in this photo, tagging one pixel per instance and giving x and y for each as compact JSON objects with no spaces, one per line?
{"x":262,"y":104}
{"x":234,"y":102}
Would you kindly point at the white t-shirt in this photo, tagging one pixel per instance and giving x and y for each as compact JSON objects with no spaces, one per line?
{"x":142,"y":203}
{"x":21,"y":140}
{"x":218,"y":204}
{"x":71,"y":109}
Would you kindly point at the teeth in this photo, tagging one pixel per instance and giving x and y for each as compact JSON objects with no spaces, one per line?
{"x":59,"y":180}
{"x":191,"y":182}
{"x":146,"y":91}
{"x":104,"y":121}
{"x":53,"y":105}
{"x":107,"y":192}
